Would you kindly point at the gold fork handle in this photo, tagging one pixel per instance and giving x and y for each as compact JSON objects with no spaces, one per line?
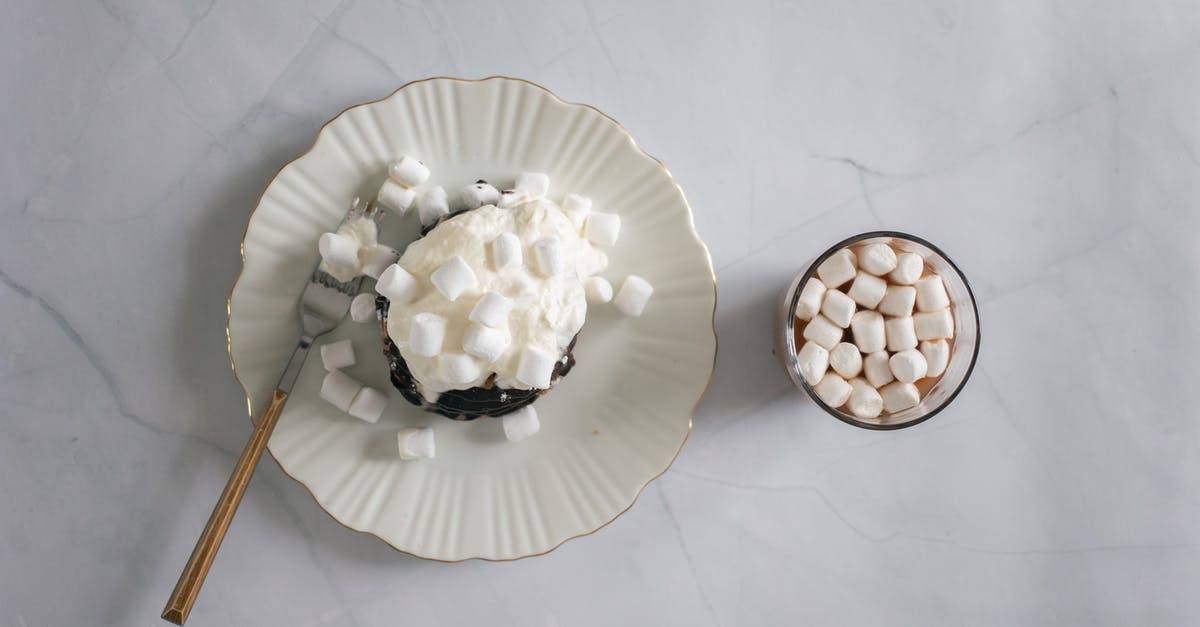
{"x":192,"y":578}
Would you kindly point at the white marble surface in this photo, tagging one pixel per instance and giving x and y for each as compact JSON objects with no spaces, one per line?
{"x":1052,"y":149}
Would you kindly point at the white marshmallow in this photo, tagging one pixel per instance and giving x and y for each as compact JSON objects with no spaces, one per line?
{"x":868,"y":330}
{"x":506,"y":251}
{"x":535,"y":367}
{"x":510,"y":198}
{"x":520,"y":424}
{"x":377,"y":258}
{"x":416,"y":443}
{"x":865,"y":401}
{"x":395,"y":197}
{"x":597,"y":289}
{"x":337,"y":355}
{"x":432,"y":205}
{"x":635,"y":292}
{"x":479,"y":194}
{"x":810,"y":299}
{"x":396,"y":284}
{"x":934,"y":325}
{"x":548,"y":255}
{"x":838,"y":307}
{"x":577,"y":208}
{"x":591,"y":261}
{"x":832,"y":390}
{"x":900,"y":334}
{"x":931,"y":294}
{"x":484,"y":343}
{"x":813,"y":361}
{"x":937,"y":356}
{"x":909,"y":267}
{"x":368,"y":404}
{"x":602,"y":228}
{"x":491,"y":310}
{"x":838,"y":268}
{"x":897,"y":301}
{"x":908,"y":366}
{"x":867,"y":290}
{"x":426,"y":334}
{"x":408,"y":171}
{"x":846,"y":360}
{"x":362,"y":308}
{"x":339,"y":251}
{"x":823,"y":332}
{"x":458,"y":368}
{"x":339,"y":389}
{"x":454,"y":278}
{"x":899,"y":396}
{"x":534,"y":184}
{"x":878,"y":259}
{"x":877,"y":369}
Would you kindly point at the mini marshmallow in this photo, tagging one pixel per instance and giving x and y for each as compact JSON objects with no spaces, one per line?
{"x":506,"y":251}
{"x":454,"y":278}
{"x":846,"y":360}
{"x":833,"y":390}
{"x":339,"y":251}
{"x":900,"y":334}
{"x":602,"y":228}
{"x":377,"y":258}
{"x":909,"y":267}
{"x":396,"y":197}
{"x":878,"y":259}
{"x":396,"y":284}
{"x":336,"y":355}
{"x":368,"y":404}
{"x":877,"y":369}
{"x":865,"y":401}
{"x":838,"y":307}
{"x":931,"y":294}
{"x":426,"y":334}
{"x":937,"y":356}
{"x":484,"y":343}
{"x":408,"y":171}
{"x":458,"y":368}
{"x":362,"y":308}
{"x":823,"y":332}
{"x":934,"y":325}
{"x":510,"y":198}
{"x":908,"y":365}
{"x":597,"y":289}
{"x":590,"y":260}
{"x":520,"y":424}
{"x":577,"y":208}
{"x":899,"y":396}
{"x":491,"y":310}
{"x":416,"y":443}
{"x":535,"y":367}
{"x":479,"y":194}
{"x":867,"y":290}
{"x":432,"y":205}
{"x":868,"y":330}
{"x":548,"y":255}
{"x":838,"y":268}
{"x":534,"y":184}
{"x":635,"y":292}
{"x":339,"y":389}
{"x":897,"y":301}
{"x":813,"y":361}
{"x":810,"y":299}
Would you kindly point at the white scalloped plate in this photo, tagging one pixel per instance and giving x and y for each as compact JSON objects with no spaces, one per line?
{"x":609,"y":428}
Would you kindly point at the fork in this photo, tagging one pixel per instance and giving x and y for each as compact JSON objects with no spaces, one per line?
{"x":323,"y":305}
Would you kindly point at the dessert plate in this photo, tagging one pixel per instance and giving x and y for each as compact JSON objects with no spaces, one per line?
{"x":608,"y":429}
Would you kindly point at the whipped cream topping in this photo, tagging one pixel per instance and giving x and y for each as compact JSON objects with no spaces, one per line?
{"x":365,"y":232}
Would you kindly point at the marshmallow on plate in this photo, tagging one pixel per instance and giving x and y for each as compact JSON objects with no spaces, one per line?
{"x":377,"y":258}
{"x":823,"y":332}
{"x":479,"y":194}
{"x":458,"y":368}
{"x":937,"y":356}
{"x":362,"y":308}
{"x":416,"y":443}
{"x":909,"y":267}
{"x":536,"y":367}
{"x":846,"y":360}
{"x":900,"y":334}
{"x":934,"y":325}
{"x":548,"y":255}
{"x":865,"y":401}
{"x":396,"y":284}
{"x":908,"y":366}
{"x":396,"y":197}
{"x":811,"y":297}
{"x":492,"y":310}
{"x":899,"y":396}
{"x":838,"y":268}
{"x":336,"y":355}
{"x":838,"y":307}
{"x":426,"y":334}
{"x":483,"y":342}
{"x":931,"y":294}
{"x":534,"y":184}
{"x":520,"y":424}
{"x":339,"y":251}
{"x":432,"y":205}
{"x":868,"y":329}
{"x":897,"y":301}
{"x":506,"y":251}
{"x":577,"y":207}
{"x":597,"y":290}
{"x":408,"y":171}
{"x":368,"y":404}
{"x":631,"y":299}
{"x":832,"y":390}
{"x":454,"y":278}
{"x":867,"y":289}
{"x":339,"y":389}
{"x":878,"y":259}
{"x":602,"y":228}
{"x":813,"y":361}
{"x":877,"y":369}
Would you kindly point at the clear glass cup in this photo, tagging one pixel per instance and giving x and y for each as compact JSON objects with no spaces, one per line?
{"x":963,"y":352}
